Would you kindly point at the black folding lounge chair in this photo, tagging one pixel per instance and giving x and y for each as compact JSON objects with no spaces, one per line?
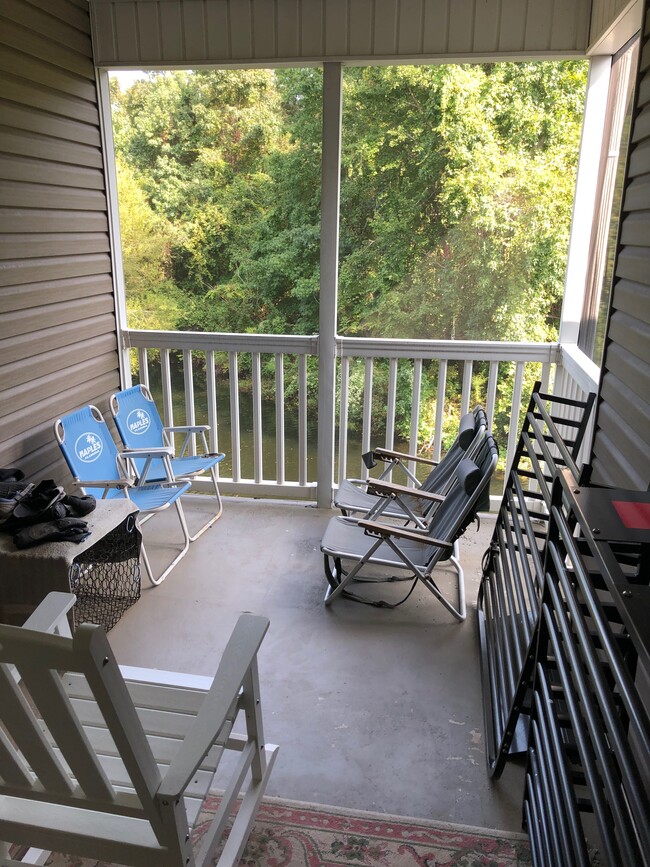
{"x":395,"y":502}
{"x":372,"y":543}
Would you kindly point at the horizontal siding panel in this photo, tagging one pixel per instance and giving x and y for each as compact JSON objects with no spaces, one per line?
{"x":642,"y":124}
{"x":62,"y":333}
{"x":32,"y":69}
{"x":44,"y":463}
{"x":38,"y":449}
{"x":16,"y":194}
{"x":13,"y":168}
{"x":54,"y":315}
{"x":631,"y":333}
{"x":47,"y":25}
{"x":635,"y":229}
{"x":29,"y":120}
{"x":637,"y":194}
{"x":13,"y":298}
{"x":625,"y":401}
{"x":643,"y":91}
{"x":29,"y":144}
{"x":56,"y":244}
{"x":15,"y":272}
{"x":611,"y":468}
{"x":39,"y":390}
{"x":44,"y":413}
{"x":30,"y":94}
{"x":36,"y":220}
{"x":633,"y":298}
{"x":640,"y":159}
{"x":74,"y":16}
{"x":189,"y":31}
{"x":625,"y":448}
{"x":31,"y":43}
{"x":29,"y":369}
{"x":629,"y":368}
{"x":633,"y":263}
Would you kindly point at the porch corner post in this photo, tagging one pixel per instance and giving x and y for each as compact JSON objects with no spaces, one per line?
{"x":110,"y":175}
{"x":585,"y":196}
{"x":329,"y":264}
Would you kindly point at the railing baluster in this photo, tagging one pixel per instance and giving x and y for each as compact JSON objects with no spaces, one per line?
{"x":415,"y":413}
{"x":258,"y":468}
{"x":234,"y":416}
{"x":343,"y":418}
{"x":302,"y":419}
{"x":367,"y":414}
{"x":279,"y":418}
{"x":188,"y":380}
{"x":466,"y":393}
{"x":166,"y":378}
{"x":492,"y":393}
{"x":440,"y":408}
{"x":143,"y":366}
{"x":546,"y":377}
{"x":513,"y":433}
{"x":211,"y":394}
{"x":391,"y":404}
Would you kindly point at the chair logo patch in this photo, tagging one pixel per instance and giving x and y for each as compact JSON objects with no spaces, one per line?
{"x":138,"y":421}
{"x":88,"y":447}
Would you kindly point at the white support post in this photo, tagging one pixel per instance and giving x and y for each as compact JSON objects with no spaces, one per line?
{"x":110,"y":175}
{"x":583,"y":204}
{"x":329,"y":263}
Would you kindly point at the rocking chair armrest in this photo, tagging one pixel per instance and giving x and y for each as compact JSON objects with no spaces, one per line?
{"x":388,"y":454}
{"x":51,"y":614}
{"x":383,"y":488}
{"x":236,"y":660}
{"x":375,"y":528}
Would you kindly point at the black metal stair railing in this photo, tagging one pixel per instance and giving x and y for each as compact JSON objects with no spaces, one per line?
{"x":587,"y":790}
{"x":511,"y":586}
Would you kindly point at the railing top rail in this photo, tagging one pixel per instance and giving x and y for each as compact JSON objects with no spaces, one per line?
{"x":221,"y":342}
{"x":580,"y":367}
{"x":461,"y":350}
{"x":453,"y":350}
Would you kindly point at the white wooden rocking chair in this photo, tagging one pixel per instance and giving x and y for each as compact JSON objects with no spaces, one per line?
{"x":113,"y":763}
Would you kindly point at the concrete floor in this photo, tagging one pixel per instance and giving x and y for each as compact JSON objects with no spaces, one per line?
{"x":373,"y":709}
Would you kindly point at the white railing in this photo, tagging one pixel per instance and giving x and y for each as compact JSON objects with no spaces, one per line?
{"x":265,"y":461}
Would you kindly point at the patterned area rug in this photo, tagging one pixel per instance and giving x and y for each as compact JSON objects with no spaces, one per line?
{"x":291,"y":834}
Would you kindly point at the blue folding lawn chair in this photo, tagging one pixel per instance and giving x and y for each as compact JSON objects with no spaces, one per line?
{"x":100,"y":469}
{"x":140,"y":427}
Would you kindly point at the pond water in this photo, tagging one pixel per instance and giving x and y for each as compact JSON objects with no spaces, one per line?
{"x":354,"y":449}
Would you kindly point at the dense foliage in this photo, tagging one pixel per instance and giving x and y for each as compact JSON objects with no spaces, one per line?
{"x":457,"y":186}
